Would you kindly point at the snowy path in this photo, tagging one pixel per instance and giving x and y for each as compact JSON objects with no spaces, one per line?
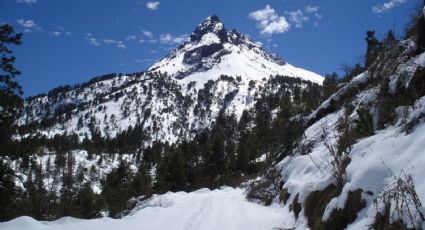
{"x":203,"y":209}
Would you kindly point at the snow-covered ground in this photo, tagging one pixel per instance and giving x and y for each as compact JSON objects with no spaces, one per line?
{"x":203,"y":209}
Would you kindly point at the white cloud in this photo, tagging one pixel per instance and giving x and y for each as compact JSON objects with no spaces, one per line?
{"x":169,"y":39}
{"x":28,"y":24}
{"x":117,"y":43}
{"x":98,"y":42}
{"x":92,"y":40}
{"x":148,"y":34}
{"x":381,"y":8}
{"x":29,"y":2}
{"x":152,"y":5}
{"x":318,"y":16}
{"x":278,"y":26}
{"x":266,"y":14}
{"x":269,"y":21}
{"x":297,"y":18}
{"x":311,"y":9}
{"x":59,"y":31}
{"x":131,"y":37}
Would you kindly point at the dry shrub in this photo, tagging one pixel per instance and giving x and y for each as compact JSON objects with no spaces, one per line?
{"x":266,"y":189}
{"x":401,"y":204}
{"x":338,"y":158}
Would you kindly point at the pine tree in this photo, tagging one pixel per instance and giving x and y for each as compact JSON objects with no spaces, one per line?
{"x":116,"y":188}
{"x":191,"y":152}
{"x":390,"y":40}
{"x":330,"y":86}
{"x":420,"y":29}
{"x":177,"y":175}
{"x":262,"y":127}
{"x":231,"y":136}
{"x":36,"y":200}
{"x":141,"y":183}
{"x":216,"y":161}
{"x":245,"y":143}
{"x":68,"y":190}
{"x":9,"y":193}
{"x":280,"y":123}
{"x":10,"y":90}
{"x":87,"y":202}
{"x":373,"y":46}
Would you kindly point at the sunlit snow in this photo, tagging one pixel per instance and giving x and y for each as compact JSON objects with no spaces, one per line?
{"x":224,"y":209}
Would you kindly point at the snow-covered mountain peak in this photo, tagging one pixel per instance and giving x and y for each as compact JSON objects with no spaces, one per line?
{"x":214,"y":51}
{"x":211,"y":25}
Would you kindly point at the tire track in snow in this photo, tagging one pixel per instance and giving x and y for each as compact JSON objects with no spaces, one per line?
{"x":195,"y":220}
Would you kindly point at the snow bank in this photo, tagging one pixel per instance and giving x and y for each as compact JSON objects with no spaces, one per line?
{"x":375,"y":161}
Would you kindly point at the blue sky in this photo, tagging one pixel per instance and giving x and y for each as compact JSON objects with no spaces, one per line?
{"x":68,"y":42}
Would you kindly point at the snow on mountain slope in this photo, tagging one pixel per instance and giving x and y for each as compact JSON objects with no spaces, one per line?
{"x":224,"y":209}
{"x":230,"y":54}
{"x":179,"y":96}
{"x":377,"y":161}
